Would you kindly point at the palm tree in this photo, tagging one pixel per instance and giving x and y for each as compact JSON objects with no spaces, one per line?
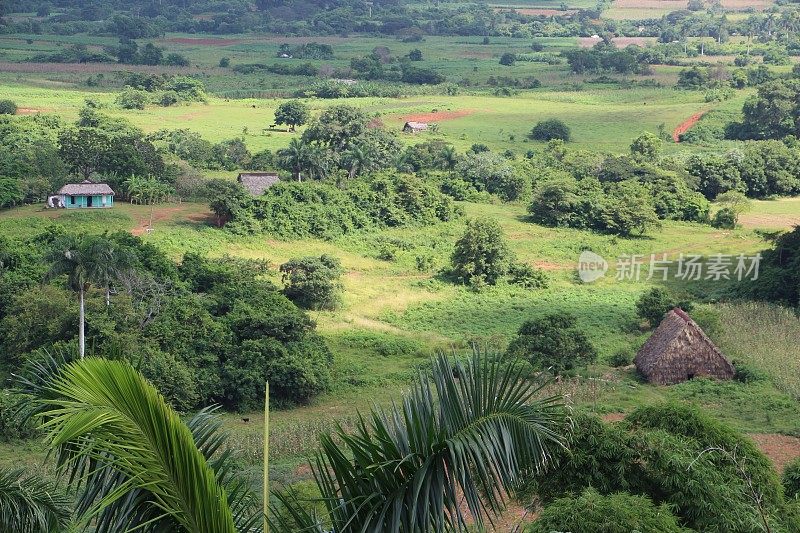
{"x":356,"y":160}
{"x":449,"y":157}
{"x":295,"y":157}
{"x":67,"y":257}
{"x":29,"y":504}
{"x":134,"y":463}
{"x":461,"y":441}
{"x":87,"y":261}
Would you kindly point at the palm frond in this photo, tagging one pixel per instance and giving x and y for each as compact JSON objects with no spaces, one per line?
{"x":29,"y":504}
{"x":459,"y":443}
{"x":100,"y":415}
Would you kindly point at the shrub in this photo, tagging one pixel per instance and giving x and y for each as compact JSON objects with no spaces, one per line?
{"x":508,"y":59}
{"x":313,"y":282}
{"x":8,"y":107}
{"x":657,"y":302}
{"x":553,"y":343}
{"x":482,"y":254}
{"x":621,"y":358}
{"x":225,"y":62}
{"x":12,"y":424}
{"x":646,"y":146}
{"x":494,"y":174}
{"x":791,"y":479}
{"x":725,"y":218}
{"x":614,"y":513}
{"x":528,"y":277}
{"x":172,"y":377}
{"x":132,"y":99}
{"x":550,"y":129}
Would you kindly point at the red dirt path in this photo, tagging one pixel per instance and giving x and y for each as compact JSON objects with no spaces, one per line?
{"x":438,"y":116}
{"x":204,"y":42}
{"x":685,"y":125}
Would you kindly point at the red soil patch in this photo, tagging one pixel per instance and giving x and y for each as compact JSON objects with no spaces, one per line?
{"x":547,"y":265}
{"x":168,"y":212}
{"x":86,"y":68}
{"x":613,"y":417}
{"x":619,"y":42}
{"x":536,"y":12}
{"x":438,"y":116}
{"x":684,"y":126}
{"x":781,"y":449}
{"x":29,"y":110}
{"x":204,"y":42}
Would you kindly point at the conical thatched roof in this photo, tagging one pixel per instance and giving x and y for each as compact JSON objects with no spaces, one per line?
{"x":679,"y":350}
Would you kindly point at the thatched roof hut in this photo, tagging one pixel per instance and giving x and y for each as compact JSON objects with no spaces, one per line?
{"x":679,"y":350}
{"x":415,"y":127}
{"x":258,"y":182}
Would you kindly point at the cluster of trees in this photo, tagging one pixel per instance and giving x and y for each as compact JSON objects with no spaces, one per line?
{"x":380,"y":64}
{"x":203,"y":331}
{"x":759,"y":169}
{"x":127,"y":51}
{"x":320,"y":209}
{"x":482,"y":257}
{"x":606,"y":57}
{"x":142,"y":89}
{"x":39,"y":153}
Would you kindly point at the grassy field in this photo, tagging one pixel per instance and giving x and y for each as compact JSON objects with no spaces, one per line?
{"x":605,"y":118}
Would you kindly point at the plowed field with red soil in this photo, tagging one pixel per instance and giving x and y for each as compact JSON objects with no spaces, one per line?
{"x":438,"y":116}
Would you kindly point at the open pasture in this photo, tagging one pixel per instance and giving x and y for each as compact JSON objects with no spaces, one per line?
{"x":605,"y":119}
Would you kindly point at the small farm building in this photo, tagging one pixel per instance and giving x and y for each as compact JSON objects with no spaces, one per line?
{"x":415,"y":127}
{"x":86,"y":194}
{"x":258,"y":182}
{"x":679,"y":350}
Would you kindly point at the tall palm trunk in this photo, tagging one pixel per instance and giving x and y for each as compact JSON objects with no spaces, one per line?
{"x":81,"y":325}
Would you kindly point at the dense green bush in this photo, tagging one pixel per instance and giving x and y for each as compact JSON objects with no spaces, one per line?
{"x":132,"y":99}
{"x":481,"y":255}
{"x":527,"y":276}
{"x":725,"y":218}
{"x":8,"y":107}
{"x":613,"y":513}
{"x":550,"y":129}
{"x":492,"y":173}
{"x":553,"y":343}
{"x":791,"y":479}
{"x":313,"y":282}
{"x":652,"y":305}
{"x":296,"y":210}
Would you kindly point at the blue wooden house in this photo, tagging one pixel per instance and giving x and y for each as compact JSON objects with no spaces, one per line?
{"x":86,"y":194}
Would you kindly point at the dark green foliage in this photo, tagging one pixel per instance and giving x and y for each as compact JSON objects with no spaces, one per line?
{"x":596,"y":455}
{"x":725,"y":218}
{"x":293,"y":113}
{"x":550,"y":129}
{"x":492,"y":173}
{"x":593,"y":512}
{"x":694,"y":78}
{"x":313,"y":282}
{"x":481,"y":255}
{"x":294,"y":210}
{"x":8,"y":107}
{"x":655,"y":303}
{"x":687,"y":421}
{"x":31,"y":504}
{"x":791,"y":479}
{"x":12,"y":425}
{"x":621,"y":358}
{"x":422,"y":464}
{"x":622,"y":208}
{"x":715,"y":175}
{"x":132,"y":99}
{"x":553,"y":343}
{"x":527,"y":276}
{"x":508,"y":59}
{"x":227,"y":199}
{"x":673,"y":454}
{"x":779,"y":278}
